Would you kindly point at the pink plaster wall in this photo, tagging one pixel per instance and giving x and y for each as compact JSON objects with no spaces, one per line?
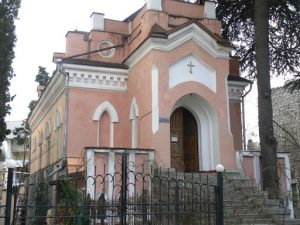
{"x":82,"y":105}
{"x":116,"y":26}
{"x":114,"y":38}
{"x":186,"y":9}
{"x":83,"y":102}
{"x":104,"y":134}
{"x":75,"y":43}
{"x":236,"y":125}
{"x":248,"y":167}
{"x":138,"y":30}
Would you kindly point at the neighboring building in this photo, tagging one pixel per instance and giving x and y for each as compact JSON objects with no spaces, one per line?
{"x":165,"y":88}
{"x":286,"y":113}
{"x":19,"y":153}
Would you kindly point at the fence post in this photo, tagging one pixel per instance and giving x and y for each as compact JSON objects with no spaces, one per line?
{"x":177,"y":207}
{"x":220,"y":205}
{"x":10,"y":174}
{"x":124,"y":189}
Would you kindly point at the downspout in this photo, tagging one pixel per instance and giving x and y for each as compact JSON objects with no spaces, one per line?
{"x":243,"y":117}
{"x":66,"y":114}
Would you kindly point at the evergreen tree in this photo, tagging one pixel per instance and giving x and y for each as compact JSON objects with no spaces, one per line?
{"x":42,"y":77}
{"x":8,"y":13}
{"x":266,"y":36}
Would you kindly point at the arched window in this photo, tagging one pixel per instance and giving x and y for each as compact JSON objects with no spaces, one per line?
{"x":59,"y":135}
{"x":48,"y":141}
{"x":40,"y":138}
{"x":40,"y":148}
{"x":58,"y":119}
{"x":105,"y":111}
{"x":33,"y":144}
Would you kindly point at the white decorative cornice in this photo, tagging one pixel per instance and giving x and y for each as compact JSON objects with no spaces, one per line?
{"x":50,"y":95}
{"x":236,"y":90}
{"x":93,"y":77}
{"x":190,"y":32}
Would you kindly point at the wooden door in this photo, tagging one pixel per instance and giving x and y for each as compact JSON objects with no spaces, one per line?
{"x":184,"y":141}
{"x":176,"y":132}
{"x":190,"y":142}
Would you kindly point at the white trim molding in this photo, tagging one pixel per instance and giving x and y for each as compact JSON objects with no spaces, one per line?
{"x":190,"y":32}
{"x":208,"y":132}
{"x":113,"y":116}
{"x":155,"y":107}
{"x":94,"y":77}
{"x":192,"y":68}
{"x":236,"y":90}
{"x":49,"y":97}
{"x":134,"y":110}
{"x":106,"y":106}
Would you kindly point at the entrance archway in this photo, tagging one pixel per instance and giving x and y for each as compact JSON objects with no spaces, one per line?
{"x":197,"y":147}
{"x":184,"y":141}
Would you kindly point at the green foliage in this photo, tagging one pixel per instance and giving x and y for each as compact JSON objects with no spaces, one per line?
{"x":252,"y":145}
{"x":31,"y":105}
{"x":22,"y":133}
{"x":8,"y":13}
{"x":41,"y":204}
{"x":42,"y":77}
{"x":284,"y":34}
{"x":71,"y":202}
{"x":2,"y":154}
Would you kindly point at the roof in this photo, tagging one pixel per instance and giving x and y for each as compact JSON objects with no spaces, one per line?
{"x":158,"y":31}
{"x":133,"y":15}
{"x":216,"y":36}
{"x":95,"y":63}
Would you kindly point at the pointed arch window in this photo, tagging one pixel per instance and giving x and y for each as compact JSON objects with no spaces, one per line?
{"x":59,"y":134}
{"x":103,"y":110}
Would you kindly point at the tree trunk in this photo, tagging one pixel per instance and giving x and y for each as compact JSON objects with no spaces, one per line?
{"x":268,"y":142}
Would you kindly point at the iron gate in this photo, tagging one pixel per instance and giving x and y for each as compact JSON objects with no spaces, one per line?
{"x":150,"y":196}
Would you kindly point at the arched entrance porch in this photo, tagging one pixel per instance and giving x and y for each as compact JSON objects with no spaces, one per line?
{"x":184,"y":141}
{"x":194,"y":142}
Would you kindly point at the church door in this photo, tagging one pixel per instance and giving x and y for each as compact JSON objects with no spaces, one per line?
{"x":184,"y":141}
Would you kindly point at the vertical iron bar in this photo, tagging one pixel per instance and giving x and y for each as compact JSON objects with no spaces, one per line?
{"x":209,"y":202}
{"x":15,"y":190}
{"x":10,"y":174}
{"x":220,"y":206}
{"x":177,"y":210}
{"x":123,"y":189}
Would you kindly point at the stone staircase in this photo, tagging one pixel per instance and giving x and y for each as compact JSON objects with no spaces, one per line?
{"x":245,"y":204}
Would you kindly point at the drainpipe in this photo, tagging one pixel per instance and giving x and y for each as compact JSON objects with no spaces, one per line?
{"x":243,"y":117}
{"x":66,"y":114}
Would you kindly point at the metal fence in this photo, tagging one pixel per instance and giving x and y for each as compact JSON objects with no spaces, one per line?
{"x":155,"y":196}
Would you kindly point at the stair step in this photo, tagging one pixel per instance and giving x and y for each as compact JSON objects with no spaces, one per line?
{"x":287,"y":222}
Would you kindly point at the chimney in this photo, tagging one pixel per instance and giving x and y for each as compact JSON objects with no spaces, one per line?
{"x":97,"y":20}
{"x":154,"y":5}
{"x":209,"y":10}
{"x":40,"y":89}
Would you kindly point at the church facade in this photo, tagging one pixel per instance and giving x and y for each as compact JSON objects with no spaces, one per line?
{"x":160,"y":85}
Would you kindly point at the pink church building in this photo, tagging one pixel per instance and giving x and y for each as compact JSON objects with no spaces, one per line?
{"x":160,"y":84}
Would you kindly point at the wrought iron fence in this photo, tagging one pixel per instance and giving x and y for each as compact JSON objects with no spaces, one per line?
{"x":154,"y":196}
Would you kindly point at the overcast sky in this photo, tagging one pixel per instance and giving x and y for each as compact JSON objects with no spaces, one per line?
{"x":41,"y":30}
